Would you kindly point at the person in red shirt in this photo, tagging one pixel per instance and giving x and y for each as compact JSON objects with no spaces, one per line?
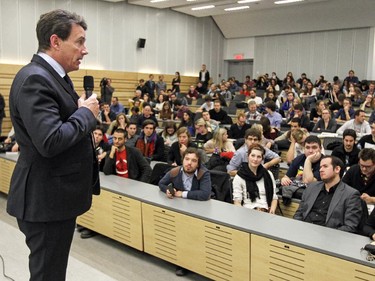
{"x":126,"y":161}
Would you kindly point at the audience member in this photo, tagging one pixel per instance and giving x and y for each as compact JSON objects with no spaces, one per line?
{"x":284,"y":141}
{"x":296,"y":147}
{"x":204,"y":77}
{"x":362,"y":175}
{"x":149,"y":143}
{"x":169,"y":133}
{"x":252,"y":136}
{"x":116,"y":106}
{"x":212,"y":125}
{"x":126,"y":161}
{"x":151,"y":86}
{"x":331,"y":202}
{"x":106,"y":90}
{"x":207,"y":105}
{"x":166,"y":112}
{"x":274,"y":117}
{"x":176,"y":81}
{"x":219,"y":143}
{"x":299,"y":113}
{"x":218,"y":113}
{"x":237,"y":130}
{"x":179,"y":147}
{"x":131,"y":134}
{"x":107,"y":116}
{"x":326,"y":123}
{"x":253,"y":97}
{"x":317,"y":111}
{"x":254,"y":186}
{"x":188,"y":122}
{"x":203,"y":134}
{"x":358,"y":124}
{"x":351,"y":78}
{"x":347,"y":112}
{"x":120,"y":122}
{"x":252,"y":113}
{"x":348,"y":151}
{"x":146,"y":115}
{"x":368,"y":141}
{"x":160,"y":85}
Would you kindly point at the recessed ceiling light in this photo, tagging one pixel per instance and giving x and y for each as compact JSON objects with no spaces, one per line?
{"x":287,"y":1}
{"x":203,"y":8}
{"x":236,"y":8}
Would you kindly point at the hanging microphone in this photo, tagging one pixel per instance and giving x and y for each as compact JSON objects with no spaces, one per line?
{"x":88,"y":85}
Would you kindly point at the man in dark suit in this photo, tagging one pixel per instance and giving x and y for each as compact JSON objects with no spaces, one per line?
{"x":57,"y":170}
{"x":331,"y":202}
{"x":204,"y":77}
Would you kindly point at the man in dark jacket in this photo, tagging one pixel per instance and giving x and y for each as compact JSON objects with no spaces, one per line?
{"x":348,"y":151}
{"x":126,"y":161}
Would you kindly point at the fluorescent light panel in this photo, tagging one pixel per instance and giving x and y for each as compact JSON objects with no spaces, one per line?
{"x":203,"y":8}
{"x":236,"y":8}
{"x":247,"y":1}
{"x":287,"y":1}
{"x":156,"y":1}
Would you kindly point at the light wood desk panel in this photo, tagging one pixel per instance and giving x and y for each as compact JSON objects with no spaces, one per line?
{"x":274,"y":260}
{"x":6,"y":171}
{"x":210,"y":249}
{"x":117,"y":217}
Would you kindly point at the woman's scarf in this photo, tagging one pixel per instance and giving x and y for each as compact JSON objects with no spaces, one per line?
{"x":251,"y":179}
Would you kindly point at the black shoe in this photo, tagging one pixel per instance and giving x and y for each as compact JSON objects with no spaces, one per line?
{"x":87,"y":233}
{"x":80,"y":228}
{"x":181,"y":271}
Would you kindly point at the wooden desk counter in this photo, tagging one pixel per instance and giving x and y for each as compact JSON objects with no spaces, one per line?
{"x":223,"y":241}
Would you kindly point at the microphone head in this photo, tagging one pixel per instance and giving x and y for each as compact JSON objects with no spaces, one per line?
{"x":88,"y":83}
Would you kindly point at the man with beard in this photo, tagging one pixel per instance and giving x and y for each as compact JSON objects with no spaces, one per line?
{"x":331,"y":202}
{"x":126,"y":161}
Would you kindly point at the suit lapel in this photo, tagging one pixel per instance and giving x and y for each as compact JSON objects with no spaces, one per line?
{"x":335,"y":200}
{"x":39,"y":60}
{"x":315,"y":189}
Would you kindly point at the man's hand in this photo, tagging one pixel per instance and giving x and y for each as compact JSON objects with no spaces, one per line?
{"x":113,"y":151}
{"x":367,"y":198}
{"x":285,"y":181}
{"x":91,"y":103}
{"x":313,"y":158}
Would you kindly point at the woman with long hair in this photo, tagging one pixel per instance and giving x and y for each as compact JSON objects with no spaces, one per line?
{"x":188,"y":122}
{"x":176,"y":81}
{"x":245,"y":90}
{"x":179,"y":147}
{"x":268,"y":131}
{"x":368,"y":105}
{"x":316,"y":112}
{"x":254,"y":186}
{"x":169,"y":133}
{"x":219,"y":143}
{"x":166,"y":112}
{"x":160,"y":100}
{"x":121,"y":122}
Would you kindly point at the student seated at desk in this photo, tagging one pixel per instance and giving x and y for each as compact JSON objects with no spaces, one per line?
{"x":254,"y":185}
{"x":191,"y":181}
{"x":368,"y":141}
{"x":179,"y":147}
{"x":331,"y":202}
{"x":126,"y":161}
{"x":252,"y":135}
{"x":358,"y":124}
{"x":326,"y":123}
{"x":149,"y":143}
{"x":347,"y":152}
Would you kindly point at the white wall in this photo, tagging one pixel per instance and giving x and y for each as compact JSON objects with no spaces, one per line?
{"x":329,"y":53}
{"x":244,"y":46}
{"x":174,"y":41}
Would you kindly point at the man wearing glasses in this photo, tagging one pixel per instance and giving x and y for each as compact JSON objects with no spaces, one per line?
{"x":361,"y":176}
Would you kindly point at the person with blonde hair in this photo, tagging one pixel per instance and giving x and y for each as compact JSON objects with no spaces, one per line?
{"x":121,"y":122}
{"x":219,"y":143}
{"x":296,"y":147}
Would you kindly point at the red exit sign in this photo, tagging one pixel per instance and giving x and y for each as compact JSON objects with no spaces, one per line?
{"x":238,"y":56}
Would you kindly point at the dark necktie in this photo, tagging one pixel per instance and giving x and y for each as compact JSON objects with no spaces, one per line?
{"x":69,"y":81}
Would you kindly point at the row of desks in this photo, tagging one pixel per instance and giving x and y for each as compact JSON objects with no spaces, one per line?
{"x":220,"y":240}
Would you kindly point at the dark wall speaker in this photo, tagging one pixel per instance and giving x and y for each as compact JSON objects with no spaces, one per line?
{"x":141,"y":42}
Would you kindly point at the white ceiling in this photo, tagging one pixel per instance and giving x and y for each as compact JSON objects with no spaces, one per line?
{"x":185,"y":6}
{"x":264,"y":17}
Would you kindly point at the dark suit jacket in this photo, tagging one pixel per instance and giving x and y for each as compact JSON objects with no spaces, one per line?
{"x":344,"y":212}
{"x":55,"y":175}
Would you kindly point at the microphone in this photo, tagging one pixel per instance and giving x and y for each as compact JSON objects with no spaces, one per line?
{"x":88,"y":85}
